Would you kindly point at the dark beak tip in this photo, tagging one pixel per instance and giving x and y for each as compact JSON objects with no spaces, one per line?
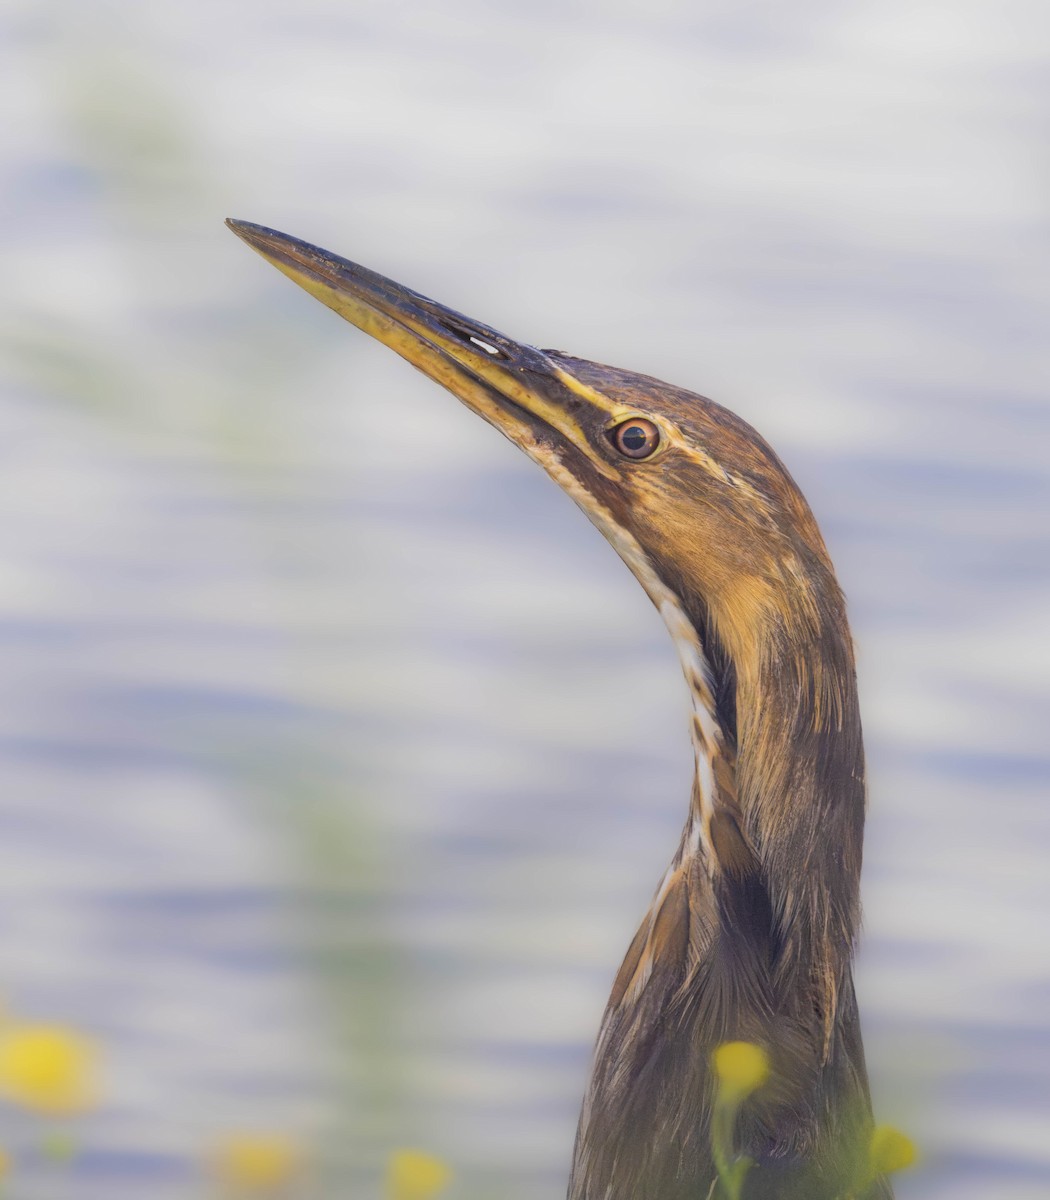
{"x":243,"y":229}
{"x":257,"y":236}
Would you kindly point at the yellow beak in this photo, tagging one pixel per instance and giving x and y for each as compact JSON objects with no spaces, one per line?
{"x":513,"y":386}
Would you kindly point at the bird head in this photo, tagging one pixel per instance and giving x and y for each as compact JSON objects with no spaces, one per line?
{"x":692,"y":498}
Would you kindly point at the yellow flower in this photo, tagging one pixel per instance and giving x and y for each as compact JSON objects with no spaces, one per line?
{"x":259,"y":1162}
{"x":741,"y":1067}
{"x":890,"y":1150}
{"x":413,"y":1175}
{"x":47,"y":1068}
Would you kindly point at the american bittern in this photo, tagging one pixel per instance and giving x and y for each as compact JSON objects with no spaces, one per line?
{"x":750,"y":934}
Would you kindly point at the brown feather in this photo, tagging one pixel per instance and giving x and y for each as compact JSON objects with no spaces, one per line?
{"x":751,"y":934}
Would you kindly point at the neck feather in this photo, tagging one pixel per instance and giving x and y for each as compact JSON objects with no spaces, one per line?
{"x":750,"y":933}
{"x":779,"y":791}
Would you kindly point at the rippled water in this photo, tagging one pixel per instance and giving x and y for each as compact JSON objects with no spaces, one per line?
{"x":341,"y":753}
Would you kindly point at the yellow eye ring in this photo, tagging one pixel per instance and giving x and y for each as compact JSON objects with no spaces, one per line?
{"x":636,"y":438}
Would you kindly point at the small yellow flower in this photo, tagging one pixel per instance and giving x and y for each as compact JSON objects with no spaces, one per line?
{"x":413,"y":1175}
{"x":741,"y":1067}
{"x":890,"y":1150}
{"x":257,"y":1163}
{"x":47,"y":1068}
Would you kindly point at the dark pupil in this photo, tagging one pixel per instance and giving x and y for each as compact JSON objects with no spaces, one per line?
{"x":635,"y":438}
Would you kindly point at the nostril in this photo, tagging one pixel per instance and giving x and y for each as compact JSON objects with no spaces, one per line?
{"x":473,"y":339}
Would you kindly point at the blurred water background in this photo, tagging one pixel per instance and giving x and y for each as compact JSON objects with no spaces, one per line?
{"x":341,"y":755}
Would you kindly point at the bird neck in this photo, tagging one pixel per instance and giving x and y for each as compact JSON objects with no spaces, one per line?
{"x":778,"y":799}
{"x":750,"y":933}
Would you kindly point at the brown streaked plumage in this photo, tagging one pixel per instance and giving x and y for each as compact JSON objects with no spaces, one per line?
{"x":750,"y":935}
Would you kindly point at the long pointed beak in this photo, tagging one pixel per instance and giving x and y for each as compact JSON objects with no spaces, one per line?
{"x":513,"y":386}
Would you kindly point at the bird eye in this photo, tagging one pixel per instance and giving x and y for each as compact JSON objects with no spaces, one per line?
{"x":636,"y":438}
